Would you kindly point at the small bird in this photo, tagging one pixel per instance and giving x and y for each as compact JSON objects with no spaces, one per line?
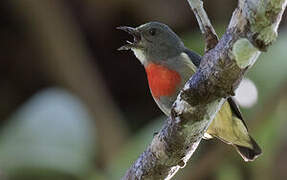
{"x":169,"y":65}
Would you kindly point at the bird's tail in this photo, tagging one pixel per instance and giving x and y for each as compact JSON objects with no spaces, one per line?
{"x":249,"y":154}
{"x":232,"y":130}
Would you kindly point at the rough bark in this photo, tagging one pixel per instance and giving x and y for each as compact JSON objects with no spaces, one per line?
{"x":253,"y":27}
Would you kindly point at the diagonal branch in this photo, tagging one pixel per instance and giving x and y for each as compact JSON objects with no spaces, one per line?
{"x":206,"y":27}
{"x":253,"y":27}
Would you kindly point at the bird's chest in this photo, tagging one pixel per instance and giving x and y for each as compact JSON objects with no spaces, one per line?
{"x":162,"y":80}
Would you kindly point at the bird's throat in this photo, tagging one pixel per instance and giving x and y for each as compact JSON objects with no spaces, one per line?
{"x":162,"y":80}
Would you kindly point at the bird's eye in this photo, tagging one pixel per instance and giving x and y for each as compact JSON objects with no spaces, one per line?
{"x":152,"y":31}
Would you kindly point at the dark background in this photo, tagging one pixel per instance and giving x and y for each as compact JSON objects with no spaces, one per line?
{"x":73,"y":107}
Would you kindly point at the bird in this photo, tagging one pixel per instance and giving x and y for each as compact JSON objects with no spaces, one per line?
{"x":169,"y":65}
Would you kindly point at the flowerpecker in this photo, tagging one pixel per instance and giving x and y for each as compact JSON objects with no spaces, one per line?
{"x":169,"y":65}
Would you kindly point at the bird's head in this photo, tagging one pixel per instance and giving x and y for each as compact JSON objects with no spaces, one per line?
{"x":153,"y":41}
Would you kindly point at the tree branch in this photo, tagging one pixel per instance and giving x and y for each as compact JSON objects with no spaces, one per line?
{"x":253,"y":27}
{"x":211,"y":159}
{"x":206,"y":27}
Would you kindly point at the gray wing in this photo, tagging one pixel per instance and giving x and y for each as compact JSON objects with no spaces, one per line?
{"x":196,"y":59}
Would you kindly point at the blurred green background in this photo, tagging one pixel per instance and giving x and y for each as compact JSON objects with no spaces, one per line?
{"x":74,"y":108}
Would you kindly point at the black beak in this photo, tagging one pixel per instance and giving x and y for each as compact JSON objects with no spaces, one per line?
{"x":135,"y":33}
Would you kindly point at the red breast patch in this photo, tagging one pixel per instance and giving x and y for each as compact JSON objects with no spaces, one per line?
{"x":162,"y":81}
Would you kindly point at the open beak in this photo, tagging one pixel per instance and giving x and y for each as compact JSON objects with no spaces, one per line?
{"x":135,"y":33}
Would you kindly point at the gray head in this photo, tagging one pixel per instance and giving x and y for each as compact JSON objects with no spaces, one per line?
{"x":153,"y":41}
